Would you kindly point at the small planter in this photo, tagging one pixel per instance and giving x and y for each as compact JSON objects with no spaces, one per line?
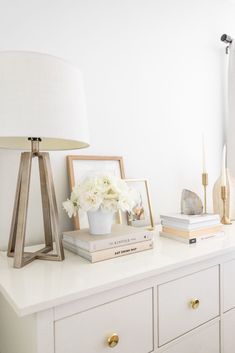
{"x":100,"y":222}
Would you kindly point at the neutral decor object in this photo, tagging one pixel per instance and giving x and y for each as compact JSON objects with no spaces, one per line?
{"x":227,"y":180}
{"x":230,"y":107}
{"x":100,"y":196}
{"x":100,"y":222}
{"x":229,"y":123}
{"x":107,"y":254}
{"x":225,"y":219}
{"x":121,"y":234}
{"x":204,"y":173}
{"x":205,"y":184}
{"x":191,"y":229}
{"x":191,"y":203}
{"x":123,"y":240}
{"x":230,"y":196}
{"x":142,"y":214}
{"x":42,"y":108}
{"x":80,"y":167}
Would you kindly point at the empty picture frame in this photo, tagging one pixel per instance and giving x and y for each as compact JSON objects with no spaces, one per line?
{"x":142,"y":214}
{"x":80,"y":167}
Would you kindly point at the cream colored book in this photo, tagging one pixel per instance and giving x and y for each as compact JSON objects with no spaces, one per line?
{"x":121,"y":235}
{"x":110,"y":253}
{"x":192,"y":240}
{"x":192,"y":233}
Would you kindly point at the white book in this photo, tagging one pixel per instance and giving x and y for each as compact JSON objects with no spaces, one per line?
{"x":192,"y":240}
{"x":189,"y":226}
{"x":190,"y":219}
{"x":121,"y":235}
{"x":110,"y":253}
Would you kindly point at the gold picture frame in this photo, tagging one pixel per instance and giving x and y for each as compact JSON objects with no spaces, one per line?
{"x":80,"y":166}
{"x":144,"y":216}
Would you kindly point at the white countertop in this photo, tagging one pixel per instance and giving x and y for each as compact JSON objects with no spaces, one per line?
{"x":45,"y":284}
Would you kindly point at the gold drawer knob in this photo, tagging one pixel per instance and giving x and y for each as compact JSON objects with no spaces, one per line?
{"x":195,"y":303}
{"x":113,"y":340}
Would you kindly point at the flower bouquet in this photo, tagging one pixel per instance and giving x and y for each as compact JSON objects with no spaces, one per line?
{"x":101,"y":196}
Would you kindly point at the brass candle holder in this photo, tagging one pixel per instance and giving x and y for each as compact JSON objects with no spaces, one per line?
{"x":205,"y":183}
{"x":225,"y":219}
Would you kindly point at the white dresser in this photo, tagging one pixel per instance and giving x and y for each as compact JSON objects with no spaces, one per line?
{"x":175,"y":298}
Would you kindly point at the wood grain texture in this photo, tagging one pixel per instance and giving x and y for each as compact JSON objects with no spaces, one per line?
{"x":50,"y":213}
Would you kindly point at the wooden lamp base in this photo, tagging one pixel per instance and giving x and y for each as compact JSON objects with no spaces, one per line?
{"x":50,"y":213}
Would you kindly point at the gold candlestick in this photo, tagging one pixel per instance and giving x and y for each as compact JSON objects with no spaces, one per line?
{"x":225,"y":219}
{"x":205,"y":183}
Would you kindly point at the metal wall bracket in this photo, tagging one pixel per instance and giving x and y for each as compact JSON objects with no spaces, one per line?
{"x":50,"y":213}
{"x":228,"y":40}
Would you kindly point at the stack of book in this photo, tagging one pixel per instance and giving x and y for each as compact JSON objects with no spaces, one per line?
{"x":123,"y":240}
{"x":191,"y":229}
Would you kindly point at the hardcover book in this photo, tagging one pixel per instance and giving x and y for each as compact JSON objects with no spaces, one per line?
{"x":192,"y":233}
{"x":110,"y":253}
{"x":190,"y":219}
{"x":121,"y":235}
{"x":190,"y":223}
{"x":192,"y":240}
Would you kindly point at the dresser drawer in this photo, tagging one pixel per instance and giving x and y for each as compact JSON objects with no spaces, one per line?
{"x":229,"y":285}
{"x":205,"y":340}
{"x":130,"y":318}
{"x":229,"y":332}
{"x":188,"y":302}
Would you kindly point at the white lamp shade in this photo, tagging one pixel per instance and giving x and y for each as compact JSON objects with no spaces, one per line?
{"x":41,"y":96}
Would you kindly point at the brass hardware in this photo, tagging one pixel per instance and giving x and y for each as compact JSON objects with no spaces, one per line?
{"x":205,"y":183}
{"x":113,"y":340}
{"x":225,"y":219}
{"x":195,"y":303}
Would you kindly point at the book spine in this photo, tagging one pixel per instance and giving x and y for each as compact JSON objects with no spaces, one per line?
{"x":189,"y":227}
{"x":192,"y":219}
{"x":192,"y":240}
{"x":111,"y":243}
{"x":76,"y":242}
{"x":121,"y":251}
{"x":192,"y":233}
{"x":209,"y":236}
{"x":175,"y":237}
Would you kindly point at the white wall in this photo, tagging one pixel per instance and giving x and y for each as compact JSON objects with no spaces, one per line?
{"x":153,"y":73}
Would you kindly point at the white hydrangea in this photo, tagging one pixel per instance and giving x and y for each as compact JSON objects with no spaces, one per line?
{"x":90,"y":200}
{"x":101,"y":191}
{"x":69,"y":207}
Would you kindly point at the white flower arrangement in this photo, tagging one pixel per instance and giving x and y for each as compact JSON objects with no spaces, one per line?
{"x":101,"y":192}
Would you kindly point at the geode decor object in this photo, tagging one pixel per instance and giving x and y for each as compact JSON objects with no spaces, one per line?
{"x":191,"y":203}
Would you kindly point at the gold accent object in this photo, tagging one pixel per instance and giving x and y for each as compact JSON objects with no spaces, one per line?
{"x":225,"y":219}
{"x":50,"y":213}
{"x":195,"y":303}
{"x":205,"y":183}
{"x":151,"y":226}
{"x":113,"y":340}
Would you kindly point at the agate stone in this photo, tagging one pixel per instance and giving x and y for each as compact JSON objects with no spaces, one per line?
{"x":191,"y":203}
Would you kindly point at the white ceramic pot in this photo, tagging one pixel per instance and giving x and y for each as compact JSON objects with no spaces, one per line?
{"x":100,"y":222}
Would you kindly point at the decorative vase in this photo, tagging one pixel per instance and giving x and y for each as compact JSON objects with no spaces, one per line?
{"x":100,"y":222}
{"x":230,"y":202}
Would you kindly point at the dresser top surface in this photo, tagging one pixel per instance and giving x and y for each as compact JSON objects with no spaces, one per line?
{"x":45,"y":284}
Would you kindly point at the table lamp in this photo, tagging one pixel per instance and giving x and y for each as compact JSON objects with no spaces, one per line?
{"x":41,"y":109}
